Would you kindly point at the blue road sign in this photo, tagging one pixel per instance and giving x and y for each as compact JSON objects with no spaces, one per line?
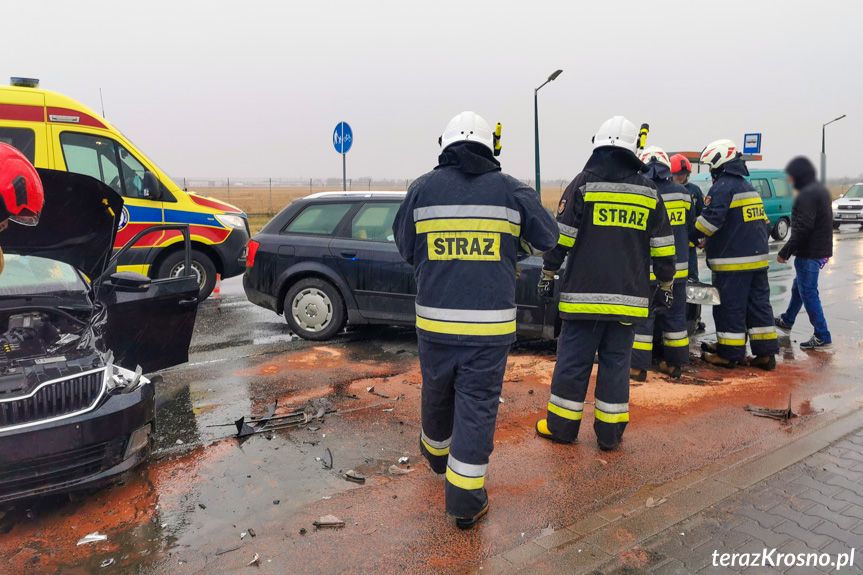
{"x":752,"y":144}
{"x":343,"y":137}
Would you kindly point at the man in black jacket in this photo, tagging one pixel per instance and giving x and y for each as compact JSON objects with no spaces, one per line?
{"x":811,"y":244}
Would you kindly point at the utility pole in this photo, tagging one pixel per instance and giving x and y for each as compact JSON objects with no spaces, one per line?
{"x":536,"y":125}
{"x":824,"y":151}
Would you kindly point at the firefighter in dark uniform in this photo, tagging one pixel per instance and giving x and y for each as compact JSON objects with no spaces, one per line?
{"x":612,"y":224}
{"x":461,"y":226}
{"x":737,"y":230}
{"x":671,"y":322}
{"x":681,"y":170}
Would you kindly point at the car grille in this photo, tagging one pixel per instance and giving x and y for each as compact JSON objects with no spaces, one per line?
{"x":851,"y":207}
{"x":63,"y":397}
{"x":55,"y":471}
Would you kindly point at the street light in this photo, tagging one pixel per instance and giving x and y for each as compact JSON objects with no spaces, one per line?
{"x":824,"y":153}
{"x":536,"y":124}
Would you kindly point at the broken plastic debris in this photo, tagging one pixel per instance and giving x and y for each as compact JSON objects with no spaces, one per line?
{"x":653,"y":502}
{"x":329,"y":521}
{"x":602,"y":461}
{"x":179,"y":442}
{"x":328,"y":459}
{"x":243,"y":534}
{"x":546,"y":530}
{"x":404,"y":459}
{"x":371,"y":389}
{"x":389,"y":409}
{"x":303,"y":531}
{"x":107,"y":562}
{"x":352,"y":475}
{"x":92,"y":538}
{"x":396,"y":470}
{"x":501,"y":399}
{"x":251,"y":532}
{"x":779,"y":414}
{"x":255,"y":560}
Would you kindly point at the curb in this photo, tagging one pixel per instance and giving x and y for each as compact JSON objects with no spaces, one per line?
{"x":684,"y":497}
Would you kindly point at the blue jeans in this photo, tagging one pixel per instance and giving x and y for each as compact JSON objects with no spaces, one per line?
{"x":804,"y":293}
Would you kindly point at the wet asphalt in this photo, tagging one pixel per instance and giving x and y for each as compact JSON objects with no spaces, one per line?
{"x":187,"y":509}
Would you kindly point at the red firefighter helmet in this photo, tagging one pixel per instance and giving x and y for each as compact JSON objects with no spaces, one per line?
{"x":20,"y":188}
{"x":679,"y":164}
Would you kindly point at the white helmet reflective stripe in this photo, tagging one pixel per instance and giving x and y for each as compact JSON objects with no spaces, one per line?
{"x":718,"y":153}
{"x":655,"y":153}
{"x":618,"y":132}
{"x":470,"y":127}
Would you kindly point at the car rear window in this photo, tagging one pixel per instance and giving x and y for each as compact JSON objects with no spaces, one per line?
{"x":318,"y":219}
{"x":783,"y":190}
{"x":24,"y":139}
{"x":374,"y":222}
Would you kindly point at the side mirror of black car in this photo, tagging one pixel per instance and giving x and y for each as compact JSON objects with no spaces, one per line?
{"x":129,"y":282}
{"x":151,"y":189}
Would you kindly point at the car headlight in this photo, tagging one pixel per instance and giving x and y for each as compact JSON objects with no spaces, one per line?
{"x":237,"y":222}
{"x":138,"y":440}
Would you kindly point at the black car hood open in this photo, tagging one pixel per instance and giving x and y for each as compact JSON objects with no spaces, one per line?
{"x":78,"y":223}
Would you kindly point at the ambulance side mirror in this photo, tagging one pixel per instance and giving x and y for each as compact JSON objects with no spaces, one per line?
{"x":151,"y":189}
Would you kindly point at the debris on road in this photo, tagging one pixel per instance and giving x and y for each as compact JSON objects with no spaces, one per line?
{"x":303,"y":531}
{"x":653,"y":502}
{"x":243,"y":535}
{"x":778,"y":414}
{"x":396,"y":470}
{"x":355,"y":477}
{"x":313,"y":410}
{"x":223,"y":551}
{"x":251,"y":532}
{"x":255,"y":560}
{"x":329,"y":521}
{"x":388,"y":409}
{"x":328,"y":459}
{"x":276,"y":501}
{"x":501,"y":399}
{"x":92,"y":538}
{"x":107,"y":562}
{"x":404,"y":459}
{"x":373,"y":392}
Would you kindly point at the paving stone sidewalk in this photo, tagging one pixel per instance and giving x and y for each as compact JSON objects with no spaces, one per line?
{"x":815,"y":505}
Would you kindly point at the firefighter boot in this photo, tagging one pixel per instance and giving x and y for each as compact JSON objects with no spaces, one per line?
{"x":709,"y":347}
{"x":469,"y":522}
{"x":638,"y":374}
{"x":674,"y":371}
{"x":543,"y":432}
{"x":714,"y":359}
{"x":765,"y":362}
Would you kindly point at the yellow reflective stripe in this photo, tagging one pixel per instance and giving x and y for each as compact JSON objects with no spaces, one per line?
{"x":563,"y":412}
{"x":460,"y":481}
{"x":611,"y":417}
{"x":746,"y":202}
{"x":434,"y":450}
{"x":141,"y":269}
{"x":702,"y":229}
{"x":662,"y":252}
{"x":762,"y":335}
{"x":468,"y":224}
{"x":677,"y":274}
{"x":566,"y":241}
{"x":737,"y":267}
{"x":732,"y":342}
{"x":602,"y":308}
{"x":646,"y":346}
{"x":677,"y":204}
{"x":676,"y":342}
{"x":620,"y":198}
{"x":455,"y":328}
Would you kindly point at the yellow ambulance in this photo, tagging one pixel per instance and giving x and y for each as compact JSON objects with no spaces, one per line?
{"x":58,"y":133}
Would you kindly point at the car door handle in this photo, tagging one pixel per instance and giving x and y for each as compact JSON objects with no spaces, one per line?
{"x":185,"y":302}
{"x":348,"y":254}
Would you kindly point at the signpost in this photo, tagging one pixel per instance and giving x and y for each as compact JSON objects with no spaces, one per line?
{"x":752,"y":143}
{"x":343,"y":138}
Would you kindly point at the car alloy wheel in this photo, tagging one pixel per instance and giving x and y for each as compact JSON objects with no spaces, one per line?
{"x":198,"y":271}
{"x":782,"y":228}
{"x":312,"y":309}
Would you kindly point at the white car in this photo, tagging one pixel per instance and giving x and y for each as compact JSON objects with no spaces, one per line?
{"x":848,"y":209}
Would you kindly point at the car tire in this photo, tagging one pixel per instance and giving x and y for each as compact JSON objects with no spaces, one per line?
{"x":202,"y":266}
{"x":314,"y":309}
{"x":781,"y":230}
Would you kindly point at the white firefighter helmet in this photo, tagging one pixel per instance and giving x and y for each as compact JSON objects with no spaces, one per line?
{"x":618,"y":132}
{"x":655,"y":154}
{"x":467,"y":127}
{"x":718,"y":153}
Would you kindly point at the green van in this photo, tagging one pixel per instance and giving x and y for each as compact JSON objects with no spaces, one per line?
{"x":776,"y":193}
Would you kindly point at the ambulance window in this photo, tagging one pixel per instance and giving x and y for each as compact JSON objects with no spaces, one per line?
{"x":374,"y":222}
{"x":318,"y":219}
{"x":783,"y":190}
{"x":133,"y":173}
{"x":762,"y":187}
{"x":24,"y":139}
{"x":93,"y":156}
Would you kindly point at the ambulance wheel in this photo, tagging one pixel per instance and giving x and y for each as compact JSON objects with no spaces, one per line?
{"x":314,"y":309}
{"x":781,"y":229}
{"x":202,"y":267}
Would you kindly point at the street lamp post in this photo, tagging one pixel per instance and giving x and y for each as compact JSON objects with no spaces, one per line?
{"x":824,"y":152}
{"x":536,"y":125}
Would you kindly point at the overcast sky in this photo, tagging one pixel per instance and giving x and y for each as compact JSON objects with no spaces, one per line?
{"x":254,"y":89}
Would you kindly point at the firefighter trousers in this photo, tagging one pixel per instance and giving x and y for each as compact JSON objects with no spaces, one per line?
{"x":745,"y":309}
{"x":675,"y":338}
{"x":579,"y":342}
{"x":460,"y":397}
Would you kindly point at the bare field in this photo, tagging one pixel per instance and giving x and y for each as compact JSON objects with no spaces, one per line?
{"x":253,"y":200}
